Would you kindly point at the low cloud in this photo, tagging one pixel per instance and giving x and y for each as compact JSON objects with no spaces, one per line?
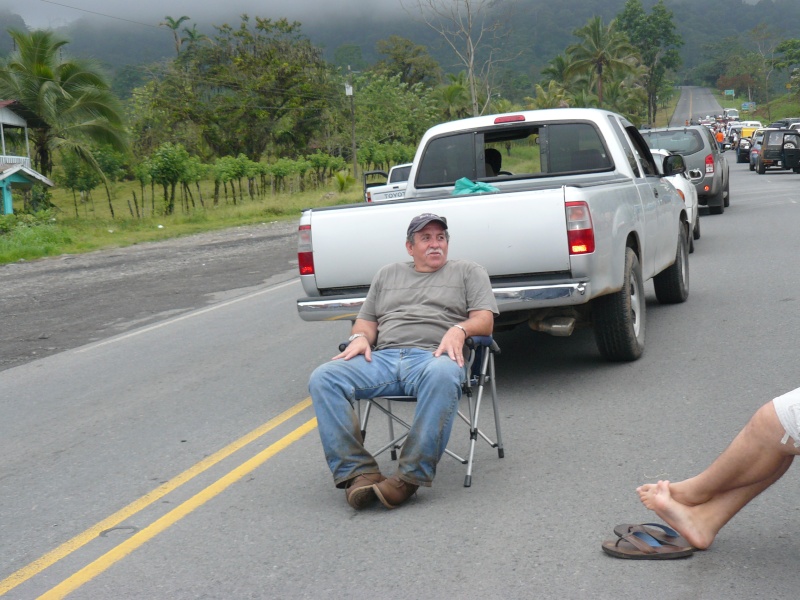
{"x":51,"y":14}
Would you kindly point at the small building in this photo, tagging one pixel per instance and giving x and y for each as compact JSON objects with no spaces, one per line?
{"x":15,"y":171}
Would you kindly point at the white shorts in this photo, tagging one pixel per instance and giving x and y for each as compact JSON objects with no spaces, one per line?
{"x":788,"y":409}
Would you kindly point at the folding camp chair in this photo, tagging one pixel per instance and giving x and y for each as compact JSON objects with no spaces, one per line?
{"x":480,"y":369}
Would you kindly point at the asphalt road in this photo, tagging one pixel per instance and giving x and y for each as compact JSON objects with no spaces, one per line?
{"x":177,"y":458}
{"x":55,"y":304}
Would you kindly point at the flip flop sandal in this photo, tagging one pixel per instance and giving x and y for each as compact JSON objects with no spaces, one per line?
{"x":663,"y":533}
{"x":639,"y":545}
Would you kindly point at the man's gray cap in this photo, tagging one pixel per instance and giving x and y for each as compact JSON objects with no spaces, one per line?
{"x":420,"y":221}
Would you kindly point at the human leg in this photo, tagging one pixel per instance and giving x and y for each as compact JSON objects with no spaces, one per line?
{"x":334,"y":386}
{"x":700,"y":506}
{"x":436,"y":382}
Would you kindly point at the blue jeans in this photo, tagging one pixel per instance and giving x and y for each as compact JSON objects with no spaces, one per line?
{"x":436,"y":382}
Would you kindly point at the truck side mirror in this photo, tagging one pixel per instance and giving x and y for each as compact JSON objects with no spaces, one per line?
{"x":673,"y":164}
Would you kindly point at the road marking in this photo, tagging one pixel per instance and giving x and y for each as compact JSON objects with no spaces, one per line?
{"x":190,"y":315}
{"x":116,"y":554}
{"x":136,"y":506}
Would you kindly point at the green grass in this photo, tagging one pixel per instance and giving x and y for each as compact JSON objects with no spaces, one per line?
{"x":61,"y":232}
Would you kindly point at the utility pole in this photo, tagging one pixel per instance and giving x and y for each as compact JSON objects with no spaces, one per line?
{"x":348,"y":90}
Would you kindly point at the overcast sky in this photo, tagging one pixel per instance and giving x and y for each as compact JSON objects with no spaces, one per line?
{"x":53,"y":13}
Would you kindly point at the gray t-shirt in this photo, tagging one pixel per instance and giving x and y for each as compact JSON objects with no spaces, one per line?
{"x":414,"y":310}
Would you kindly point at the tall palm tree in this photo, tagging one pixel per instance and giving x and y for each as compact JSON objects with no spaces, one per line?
{"x":601,"y":48}
{"x":174,"y":25}
{"x":68,"y":103}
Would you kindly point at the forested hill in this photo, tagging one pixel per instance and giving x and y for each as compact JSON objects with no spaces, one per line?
{"x":536,"y":31}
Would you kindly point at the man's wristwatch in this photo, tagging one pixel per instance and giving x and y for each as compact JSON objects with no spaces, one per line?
{"x":356,"y":335}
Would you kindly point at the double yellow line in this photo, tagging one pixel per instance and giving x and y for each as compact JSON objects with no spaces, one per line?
{"x":93,"y":569}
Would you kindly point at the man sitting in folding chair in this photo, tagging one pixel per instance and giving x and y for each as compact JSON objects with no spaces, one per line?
{"x":407,"y":340}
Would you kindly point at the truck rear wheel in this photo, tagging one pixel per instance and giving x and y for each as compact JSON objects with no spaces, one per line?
{"x":619,"y":317}
{"x":672,"y":284}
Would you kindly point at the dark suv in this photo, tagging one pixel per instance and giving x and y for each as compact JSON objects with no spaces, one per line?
{"x":780,"y":148}
{"x":699,"y":149}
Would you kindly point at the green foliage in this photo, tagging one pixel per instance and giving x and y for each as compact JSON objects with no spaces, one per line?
{"x":388,"y":110}
{"x":408,"y":60}
{"x":344,"y":181}
{"x":29,"y":239}
{"x":68,"y":102}
{"x":655,"y":38}
{"x":259,"y":87}
{"x":603,"y":52}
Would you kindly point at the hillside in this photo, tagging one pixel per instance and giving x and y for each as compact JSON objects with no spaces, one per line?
{"x":534,"y":32}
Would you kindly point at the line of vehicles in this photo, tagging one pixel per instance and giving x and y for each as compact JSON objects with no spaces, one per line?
{"x":774,"y":147}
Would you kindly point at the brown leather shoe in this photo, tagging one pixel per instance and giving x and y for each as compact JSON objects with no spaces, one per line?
{"x":394,"y":491}
{"x":360,"y":492}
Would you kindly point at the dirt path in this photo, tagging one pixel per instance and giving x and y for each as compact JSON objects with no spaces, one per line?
{"x":54,"y":304}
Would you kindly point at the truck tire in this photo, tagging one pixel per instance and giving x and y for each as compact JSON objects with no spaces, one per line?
{"x":760,"y":168}
{"x":696,"y":232}
{"x":716,"y":204}
{"x":619,"y":317}
{"x":672,"y":284}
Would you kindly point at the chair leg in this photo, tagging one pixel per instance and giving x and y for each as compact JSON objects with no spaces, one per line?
{"x":500,"y":451}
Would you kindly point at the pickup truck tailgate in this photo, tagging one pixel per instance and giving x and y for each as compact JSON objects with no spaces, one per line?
{"x":514,"y":233}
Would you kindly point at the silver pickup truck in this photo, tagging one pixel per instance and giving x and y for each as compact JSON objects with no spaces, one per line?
{"x":578,"y":216}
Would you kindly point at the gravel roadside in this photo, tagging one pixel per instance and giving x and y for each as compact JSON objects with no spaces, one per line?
{"x":55,"y":304}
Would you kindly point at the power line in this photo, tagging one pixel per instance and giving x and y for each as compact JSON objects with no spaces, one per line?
{"x":98,"y":13}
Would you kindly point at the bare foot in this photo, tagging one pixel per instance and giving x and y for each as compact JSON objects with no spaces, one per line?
{"x":657,"y":497}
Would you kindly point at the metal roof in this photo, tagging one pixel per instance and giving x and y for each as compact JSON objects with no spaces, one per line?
{"x":7,"y":170}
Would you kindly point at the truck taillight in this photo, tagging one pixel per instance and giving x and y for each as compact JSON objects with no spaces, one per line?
{"x":369,"y":196}
{"x":580,"y":232}
{"x":305,"y":257}
{"x":710,"y":163}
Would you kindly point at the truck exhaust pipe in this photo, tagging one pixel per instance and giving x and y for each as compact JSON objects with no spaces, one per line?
{"x":557,"y":326}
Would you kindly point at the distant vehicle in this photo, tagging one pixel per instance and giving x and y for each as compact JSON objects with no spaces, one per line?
{"x":779,"y":149}
{"x":731,"y":114}
{"x":700,"y":151}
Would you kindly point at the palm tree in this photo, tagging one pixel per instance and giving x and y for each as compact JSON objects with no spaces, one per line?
{"x":552,"y":97}
{"x":601,"y":48}
{"x":453,"y":97}
{"x":68,"y":103}
{"x":174,"y":25}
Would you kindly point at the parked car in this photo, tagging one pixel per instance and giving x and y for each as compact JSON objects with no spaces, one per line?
{"x":699,"y":149}
{"x":683,"y":182}
{"x":779,"y":149}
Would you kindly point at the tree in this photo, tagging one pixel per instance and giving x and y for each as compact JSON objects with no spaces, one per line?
{"x":602,"y":51}
{"x":552,"y":97}
{"x":655,"y":38}
{"x":67,"y":102}
{"x":166,"y":168}
{"x":407,"y":59}
{"x":174,"y":25}
{"x":259,"y":87}
{"x":789,"y":51}
{"x":466,"y":27}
